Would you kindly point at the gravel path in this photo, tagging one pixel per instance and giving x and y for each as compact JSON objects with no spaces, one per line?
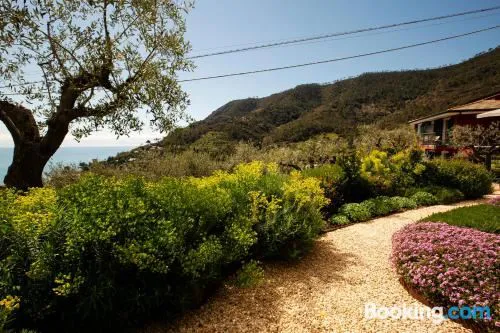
{"x":324,"y":292}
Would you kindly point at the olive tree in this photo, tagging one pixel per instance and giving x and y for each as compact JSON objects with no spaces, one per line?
{"x":483,"y":141}
{"x":84,"y":65}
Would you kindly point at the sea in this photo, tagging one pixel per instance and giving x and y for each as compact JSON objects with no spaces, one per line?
{"x":65,"y":156}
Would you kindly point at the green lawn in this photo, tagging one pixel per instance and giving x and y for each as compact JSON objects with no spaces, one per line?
{"x":481,"y":217}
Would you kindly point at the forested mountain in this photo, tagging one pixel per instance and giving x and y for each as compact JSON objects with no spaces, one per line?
{"x":383,"y":98}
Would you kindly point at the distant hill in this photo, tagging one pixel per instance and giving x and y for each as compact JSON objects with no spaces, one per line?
{"x":383,"y":98}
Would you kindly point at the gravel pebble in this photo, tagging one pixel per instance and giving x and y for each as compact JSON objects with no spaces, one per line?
{"x":326,"y":291}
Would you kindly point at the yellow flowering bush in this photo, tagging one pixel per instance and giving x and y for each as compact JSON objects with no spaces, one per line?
{"x":7,"y":306}
{"x":105,"y":248}
{"x":33,"y":213}
{"x":390,"y":175}
{"x":304,"y":190}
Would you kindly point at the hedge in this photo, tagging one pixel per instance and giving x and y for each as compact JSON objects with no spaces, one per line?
{"x":105,"y":252}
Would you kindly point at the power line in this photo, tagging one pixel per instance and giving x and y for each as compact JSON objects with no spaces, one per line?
{"x":342,"y":58}
{"x":335,"y":34}
{"x":389,"y":31}
{"x":326,"y":61}
{"x":316,"y":39}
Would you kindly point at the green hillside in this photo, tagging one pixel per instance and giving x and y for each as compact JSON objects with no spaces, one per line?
{"x":383,"y":98}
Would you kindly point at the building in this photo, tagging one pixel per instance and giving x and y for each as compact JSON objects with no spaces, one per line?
{"x":434,"y":131}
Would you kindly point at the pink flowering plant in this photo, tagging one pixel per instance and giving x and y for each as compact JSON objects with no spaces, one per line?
{"x":495,"y":201}
{"x":451,"y":266}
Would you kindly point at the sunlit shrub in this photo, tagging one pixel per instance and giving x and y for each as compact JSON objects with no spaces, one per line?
{"x":339,"y":219}
{"x":424,"y":198}
{"x":250,"y":275}
{"x":331,"y":177}
{"x":402,"y":203}
{"x":104,"y":249}
{"x":473,"y":180}
{"x":356,"y":212}
{"x":390,"y":175}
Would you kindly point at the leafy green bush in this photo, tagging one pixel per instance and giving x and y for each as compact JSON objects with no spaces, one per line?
{"x":354,"y":187}
{"x":380,"y":206}
{"x":339,"y":219}
{"x":250,"y":275}
{"x":473,"y":180}
{"x":424,"y":199}
{"x":356,"y":212}
{"x":444,"y":195}
{"x":102,"y":250}
{"x":402,"y":203}
{"x":390,"y":175}
{"x":331,"y":177}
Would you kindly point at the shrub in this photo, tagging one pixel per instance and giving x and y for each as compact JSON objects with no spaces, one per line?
{"x":473,"y":180}
{"x":7,"y":306}
{"x":331,"y":177}
{"x":376,"y":168}
{"x":450,"y":266}
{"x":356,"y":212}
{"x":380,"y":206}
{"x":444,"y":195}
{"x":354,"y":187}
{"x":389,"y":175}
{"x":424,"y":198}
{"x":402,"y":203}
{"x":102,"y":250}
{"x":339,"y":219}
{"x":250,"y":275}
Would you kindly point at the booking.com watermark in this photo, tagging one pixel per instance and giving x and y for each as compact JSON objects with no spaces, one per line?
{"x":437,"y":314}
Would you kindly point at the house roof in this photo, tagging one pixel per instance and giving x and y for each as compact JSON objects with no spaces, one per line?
{"x":479,"y":105}
{"x":489,"y":114}
{"x":487,"y":103}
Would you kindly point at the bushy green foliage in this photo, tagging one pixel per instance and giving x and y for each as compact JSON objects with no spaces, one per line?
{"x":354,"y":187}
{"x":402,"y":203}
{"x":444,"y":195}
{"x":356,"y":212}
{"x":102,"y":250}
{"x":384,"y":205}
{"x":339,"y":219}
{"x":390,"y":175}
{"x":424,"y":198}
{"x":379,"y":206}
{"x":473,"y":180}
{"x":249,"y":275}
{"x":447,"y":195}
{"x":331,"y":178}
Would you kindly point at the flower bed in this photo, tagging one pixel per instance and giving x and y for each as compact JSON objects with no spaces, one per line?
{"x":450,"y":266}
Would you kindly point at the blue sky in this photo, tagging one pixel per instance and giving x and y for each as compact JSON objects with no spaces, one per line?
{"x":229,"y":23}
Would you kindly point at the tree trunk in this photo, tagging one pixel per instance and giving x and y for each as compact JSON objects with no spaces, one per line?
{"x":27,"y":167}
{"x":31,"y":151}
{"x":487,"y":161}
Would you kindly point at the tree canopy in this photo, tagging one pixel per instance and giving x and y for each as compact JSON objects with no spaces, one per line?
{"x":91,"y":63}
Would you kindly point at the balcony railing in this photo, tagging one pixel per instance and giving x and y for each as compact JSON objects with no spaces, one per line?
{"x":430,"y":138}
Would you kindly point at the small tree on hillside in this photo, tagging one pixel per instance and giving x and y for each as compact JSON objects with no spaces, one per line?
{"x":483,"y":141}
{"x":88,"y":64}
